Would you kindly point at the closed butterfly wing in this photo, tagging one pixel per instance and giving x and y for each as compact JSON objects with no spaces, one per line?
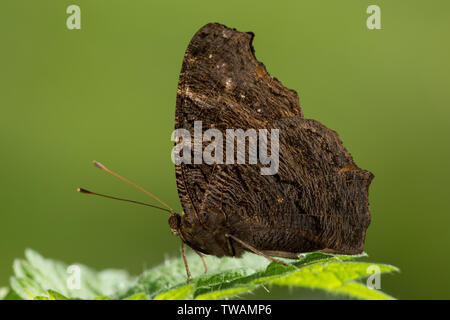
{"x":318,"y":198}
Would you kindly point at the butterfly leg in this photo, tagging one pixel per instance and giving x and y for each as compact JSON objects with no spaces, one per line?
{"x":254,"y":250}
{"x":203,"y":260}
{"x":183,"y":253}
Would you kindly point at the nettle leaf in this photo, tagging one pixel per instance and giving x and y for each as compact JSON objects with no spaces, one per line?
{"x":331,"y":273}
{"x":180,"y":293}
{"x":231,"y":277}
{"x":45,"y":279}
{"x":52,"y":295}
{"x":138,"y":296}
{"x":171,"y":275}
{"x":9,"y":294}
{"x":36,"y":277}
{"x":3,"y":292}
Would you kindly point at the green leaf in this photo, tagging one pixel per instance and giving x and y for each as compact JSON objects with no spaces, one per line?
{"x":3,"y":292}
{"x":222,"y":293}
{"x":180,"y":293}
{"x":102,"y":298}
{"x":139,"y":296}
{"x":53,"y":295}
{"x":45,"y":279}
{"x":327,"y":272}
{"x":10,"y":295}
{"x":35,"y":276}
{"x":26,"y":288}
{"x":334,"y":277}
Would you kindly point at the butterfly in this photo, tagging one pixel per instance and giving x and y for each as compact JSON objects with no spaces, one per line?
{"x":316,"y":200}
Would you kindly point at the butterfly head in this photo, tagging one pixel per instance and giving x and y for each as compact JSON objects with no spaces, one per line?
{"x":175,"y":223}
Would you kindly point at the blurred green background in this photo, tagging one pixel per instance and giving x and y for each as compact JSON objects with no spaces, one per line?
{"x":107,"y":92}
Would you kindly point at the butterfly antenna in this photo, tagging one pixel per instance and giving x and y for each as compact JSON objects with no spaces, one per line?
{"x":102,"y":167}
{"x":81,"y":190}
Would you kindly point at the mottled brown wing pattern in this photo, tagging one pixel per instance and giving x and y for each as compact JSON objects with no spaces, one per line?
{"x":319,"y":198}
{"x":223,"y":85}
{"x":304,"y":207}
